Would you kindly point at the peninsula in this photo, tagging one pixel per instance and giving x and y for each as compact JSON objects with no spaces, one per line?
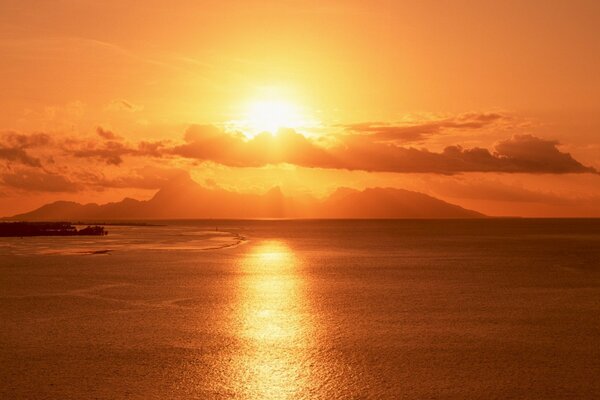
{"x":19,"y":229}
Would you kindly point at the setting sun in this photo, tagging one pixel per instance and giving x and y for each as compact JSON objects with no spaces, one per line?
{"x":272,"y":115}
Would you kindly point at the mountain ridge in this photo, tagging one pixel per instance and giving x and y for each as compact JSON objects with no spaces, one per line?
{"x":183,"y":198}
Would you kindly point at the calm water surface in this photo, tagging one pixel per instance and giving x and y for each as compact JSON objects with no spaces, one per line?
{"x":305,"y":310}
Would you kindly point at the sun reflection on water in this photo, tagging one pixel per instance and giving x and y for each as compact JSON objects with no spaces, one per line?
{"x":274,"y":329}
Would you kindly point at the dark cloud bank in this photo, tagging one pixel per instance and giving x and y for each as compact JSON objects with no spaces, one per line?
{"x":369,"y":147}
{"x":519,"y":154}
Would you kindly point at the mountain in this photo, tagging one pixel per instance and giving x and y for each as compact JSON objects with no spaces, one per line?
{"x":184,"y":198}
{"x":390,"y":203}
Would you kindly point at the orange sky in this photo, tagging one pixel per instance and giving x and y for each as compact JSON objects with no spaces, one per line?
{"x":493,"y":105}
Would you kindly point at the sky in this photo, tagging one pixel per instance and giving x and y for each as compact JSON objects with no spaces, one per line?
{"x":492,"y":105}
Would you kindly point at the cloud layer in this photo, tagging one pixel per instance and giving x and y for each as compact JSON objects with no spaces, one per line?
{"x":39,"y":162}
{"x":417,"y":132}
{"x":519,"y":154}
{"x":14,"y":147}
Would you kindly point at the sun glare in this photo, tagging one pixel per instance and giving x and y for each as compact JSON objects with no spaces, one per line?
{"x":272,"y":115}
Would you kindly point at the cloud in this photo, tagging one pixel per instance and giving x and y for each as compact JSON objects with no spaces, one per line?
{"x":353,"y":152}
{"x":418,"y":132}
{"x":18,"y":155}
{"x":38,"y":181}
{"x":208,"y":143}
{"x":17,"y":148}
{"x":73,"y":180}
{"x":520,"y":154}
{"x":26,"y":141}
{"x":106,"y":134}
{"x":527,"y":152}
{"x":112,"y":151}
{"x":14,"y":147}
{"x":147,"y":177}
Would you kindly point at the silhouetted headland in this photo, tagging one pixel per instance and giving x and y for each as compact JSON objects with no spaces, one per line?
{"x":8,"y":229}
{"x":183,"y":198}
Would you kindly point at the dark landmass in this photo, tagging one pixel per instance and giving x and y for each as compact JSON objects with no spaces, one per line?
{"x":116,"y":223}
{"x":19,"y":229}
{"x":183,"y":198}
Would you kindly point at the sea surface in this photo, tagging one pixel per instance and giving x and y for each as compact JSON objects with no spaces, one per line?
{"x":402,"y":309}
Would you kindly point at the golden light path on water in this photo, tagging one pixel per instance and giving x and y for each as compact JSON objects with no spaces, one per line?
{"x":275,"y":327}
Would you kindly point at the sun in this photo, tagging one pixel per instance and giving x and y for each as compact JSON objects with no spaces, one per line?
{"x":272,"y":115}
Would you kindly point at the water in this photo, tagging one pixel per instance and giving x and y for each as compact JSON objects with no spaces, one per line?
{"x":304,"y":310}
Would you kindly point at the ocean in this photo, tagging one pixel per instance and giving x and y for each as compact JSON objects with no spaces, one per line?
{"x":318,"y":309}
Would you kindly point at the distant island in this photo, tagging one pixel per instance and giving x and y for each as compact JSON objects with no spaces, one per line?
{"x":21,"y":229}
{"x":183,"y":198}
